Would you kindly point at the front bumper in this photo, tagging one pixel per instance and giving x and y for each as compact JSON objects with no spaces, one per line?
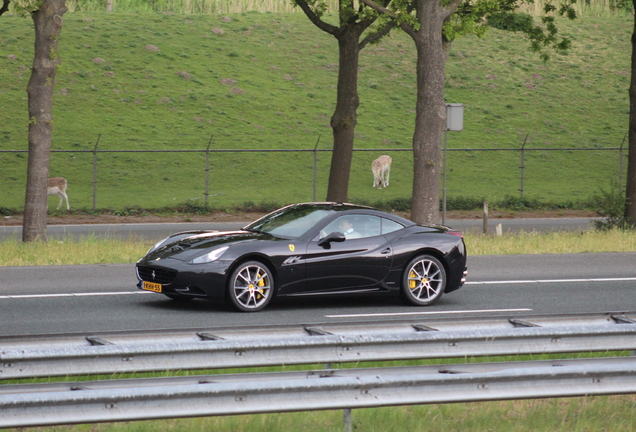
{"x":183,"y":279}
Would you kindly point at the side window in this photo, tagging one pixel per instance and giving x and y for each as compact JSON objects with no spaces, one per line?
{"x":354,"y":226}
{"x":388,"y":226}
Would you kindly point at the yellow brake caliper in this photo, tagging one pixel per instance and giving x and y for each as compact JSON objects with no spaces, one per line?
{"x":261,"y":283}
{"x":412,"y":282}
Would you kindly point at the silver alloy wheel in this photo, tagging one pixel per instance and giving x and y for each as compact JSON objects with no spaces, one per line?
{"x":424,"y":280}
{"x":251,"y":286}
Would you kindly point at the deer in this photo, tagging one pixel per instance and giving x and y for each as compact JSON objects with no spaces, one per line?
{"x":381,"y":168}
{"x":57,"y":186}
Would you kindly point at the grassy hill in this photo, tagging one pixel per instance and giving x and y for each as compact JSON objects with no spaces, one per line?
{"x":142,"y":81}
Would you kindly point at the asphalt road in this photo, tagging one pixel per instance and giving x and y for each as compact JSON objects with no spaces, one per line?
{"x":159,"y":231}
{"x":92,"y":298}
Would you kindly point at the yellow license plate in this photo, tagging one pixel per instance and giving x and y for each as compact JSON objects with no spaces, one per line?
{"x":151,"y":286}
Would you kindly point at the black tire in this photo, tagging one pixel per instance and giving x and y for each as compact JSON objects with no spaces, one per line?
{"x":423,"y":281}
{"x":251,"y":287}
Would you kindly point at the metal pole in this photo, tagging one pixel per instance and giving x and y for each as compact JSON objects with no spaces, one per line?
{"x":523,"y":163}
{"x":207,"y":171}
{"x":444,"y":190}
{"x":316,"y":165}
{"x":346,"y":420}
{"x":95,"y":172}
{"x":620,"y":167}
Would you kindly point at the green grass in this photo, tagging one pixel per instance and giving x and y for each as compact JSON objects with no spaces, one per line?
{"x":91,"y":250}
{"x":267,"y":81}
{"x":283,"y":95}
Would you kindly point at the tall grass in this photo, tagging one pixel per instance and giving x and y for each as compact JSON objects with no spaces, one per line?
{"x":551,"y":243}
{"x":66,"y":251}
{"x":191,"y":6}
{"x":592,"y":8}
{"x":92,"y":250}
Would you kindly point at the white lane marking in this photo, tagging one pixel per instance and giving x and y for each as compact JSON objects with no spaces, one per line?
{"x":427,"y":313}
{"x":21,"y":296}
{"x":550,"y":281}
{"x":86,"y":294}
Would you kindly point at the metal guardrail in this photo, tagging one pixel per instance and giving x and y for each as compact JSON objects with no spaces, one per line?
{"x":118,"y":400}
{"x":230,"y":347}
{"x":24,"y":405}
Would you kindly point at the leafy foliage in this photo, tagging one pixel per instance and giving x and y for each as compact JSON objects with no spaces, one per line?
{"x":610,"y":205}
{"x":510,"y":21}
{"x":25,"y":7}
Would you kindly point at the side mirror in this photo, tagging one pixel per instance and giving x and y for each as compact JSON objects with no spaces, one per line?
{"x":333,"y":237}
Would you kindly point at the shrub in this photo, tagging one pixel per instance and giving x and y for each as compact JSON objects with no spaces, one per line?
{"x":610,"y":205}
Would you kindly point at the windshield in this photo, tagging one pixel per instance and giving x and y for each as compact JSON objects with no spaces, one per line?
{"x":290,"y":222}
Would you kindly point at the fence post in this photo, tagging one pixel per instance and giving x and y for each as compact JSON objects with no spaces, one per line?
{"x":207,"y":171}
{"x":523,"y":164}
{"x":620,"y":167}
{"x":95,"y":173}
{"x":485,"y":228}
{"x":316,"y":165}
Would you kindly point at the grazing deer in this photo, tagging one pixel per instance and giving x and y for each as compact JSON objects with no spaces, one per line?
{"x":381,"y":168}
{"x":57,"y":186}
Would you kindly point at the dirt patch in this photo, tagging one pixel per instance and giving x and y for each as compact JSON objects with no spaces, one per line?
{"x":79,"y":219}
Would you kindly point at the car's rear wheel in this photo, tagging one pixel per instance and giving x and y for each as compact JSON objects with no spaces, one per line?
{"x":250,"y":287}
{"x":423,"y":281}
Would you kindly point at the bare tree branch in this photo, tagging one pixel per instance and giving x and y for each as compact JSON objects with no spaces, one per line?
{"x":379,"y":8}
{"x":373,"y":37}
{"x":5,"y":6}
{"x":408,"y":29}
{"x":328,"y":28}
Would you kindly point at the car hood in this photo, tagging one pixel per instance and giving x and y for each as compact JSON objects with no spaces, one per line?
{"x":193,"y":244}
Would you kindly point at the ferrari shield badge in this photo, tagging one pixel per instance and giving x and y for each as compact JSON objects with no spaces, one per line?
{"x":292,"y":247}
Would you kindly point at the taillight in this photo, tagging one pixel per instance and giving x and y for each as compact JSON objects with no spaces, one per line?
{"x":457,"y":233}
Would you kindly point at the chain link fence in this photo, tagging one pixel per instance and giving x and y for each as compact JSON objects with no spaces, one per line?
{"x":124,"y":180}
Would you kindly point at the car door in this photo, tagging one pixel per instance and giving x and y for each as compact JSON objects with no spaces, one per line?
{"x":355,"y":263}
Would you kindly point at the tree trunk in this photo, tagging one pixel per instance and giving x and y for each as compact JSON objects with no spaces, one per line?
{"x":344,"y":119}
{"x":630,"y":191}
{"x":48,"y":25}
{"x":430,"y":112}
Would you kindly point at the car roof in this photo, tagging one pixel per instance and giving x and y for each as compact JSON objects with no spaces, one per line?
{"x":341,"y":207}
{"x":337,"y":206}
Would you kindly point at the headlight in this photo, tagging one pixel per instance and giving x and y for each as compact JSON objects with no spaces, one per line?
{"x":210,"y":256}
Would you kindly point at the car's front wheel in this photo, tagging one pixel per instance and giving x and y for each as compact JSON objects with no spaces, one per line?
{"x":250,"y":287}
{"x":423,"y":281}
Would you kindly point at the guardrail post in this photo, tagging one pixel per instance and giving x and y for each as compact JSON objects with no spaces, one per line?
{"x":346,"y":420}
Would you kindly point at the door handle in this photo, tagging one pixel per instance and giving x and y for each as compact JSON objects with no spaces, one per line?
{"x":386,"y":251}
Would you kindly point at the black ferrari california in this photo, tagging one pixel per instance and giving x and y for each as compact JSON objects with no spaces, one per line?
{"x":308,"y":249}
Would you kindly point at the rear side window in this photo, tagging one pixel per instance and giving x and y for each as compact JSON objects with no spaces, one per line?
{"x":388,"y":226}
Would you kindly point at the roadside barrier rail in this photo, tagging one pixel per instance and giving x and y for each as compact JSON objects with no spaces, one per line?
{"x":231,"y":347}
{"x":119,"y":400}
{"x":24,"y":405}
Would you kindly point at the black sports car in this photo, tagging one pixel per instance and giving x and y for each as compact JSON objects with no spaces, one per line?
{"x":308,"y":249}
